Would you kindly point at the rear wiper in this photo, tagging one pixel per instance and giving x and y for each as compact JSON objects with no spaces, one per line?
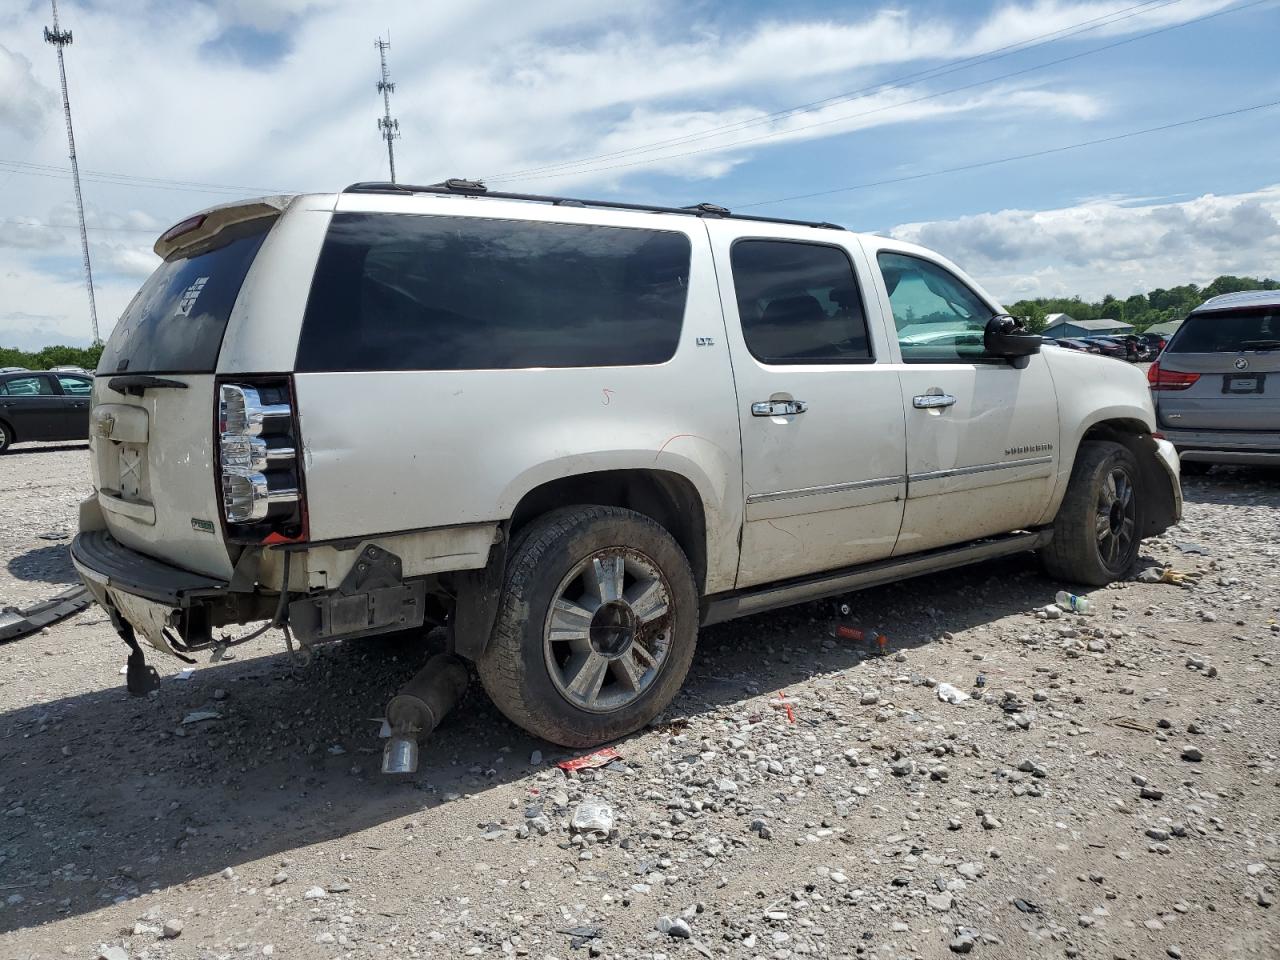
{"x":1261,"y":344}
{"x":139,"y":383}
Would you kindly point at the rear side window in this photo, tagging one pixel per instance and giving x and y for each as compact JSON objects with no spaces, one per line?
{"x":413,"y":292}
{"x":1228,"y":332}
{"x":799,"y":303}
{"x":76,"y":386}
{"x":176,"y":321}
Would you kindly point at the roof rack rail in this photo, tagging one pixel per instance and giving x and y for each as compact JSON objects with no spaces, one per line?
{"x":475,"y":188}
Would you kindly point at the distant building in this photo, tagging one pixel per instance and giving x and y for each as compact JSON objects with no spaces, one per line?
{"x":1166,"y":329}
{"x":1060,"y":325}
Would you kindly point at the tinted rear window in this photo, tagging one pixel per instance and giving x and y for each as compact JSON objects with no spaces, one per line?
{"x":176,"y":321}
{"x":412,"y":292}
{"x":1228,"y":332}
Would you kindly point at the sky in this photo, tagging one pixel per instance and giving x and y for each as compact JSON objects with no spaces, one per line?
{"x":897,"y":118}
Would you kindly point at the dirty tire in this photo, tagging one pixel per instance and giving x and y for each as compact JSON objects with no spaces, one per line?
{"x":1075,"y":553}
{"x":514,"y":668}
{"x":6,"y":438}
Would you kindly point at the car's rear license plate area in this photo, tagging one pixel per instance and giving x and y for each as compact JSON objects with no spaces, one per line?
{"x":1244,"y":383}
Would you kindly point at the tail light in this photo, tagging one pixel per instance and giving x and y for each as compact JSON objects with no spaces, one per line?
{"x":259,"y":472}
{"x":1161,"y":379}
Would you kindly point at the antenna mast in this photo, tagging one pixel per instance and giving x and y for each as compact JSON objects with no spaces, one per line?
{"x":59,"y":39}
{"x":388,"y":127}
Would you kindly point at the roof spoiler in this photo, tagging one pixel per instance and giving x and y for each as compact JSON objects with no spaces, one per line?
{"x":203,"y":228}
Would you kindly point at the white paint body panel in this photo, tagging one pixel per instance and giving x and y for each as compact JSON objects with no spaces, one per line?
{"x":390,"y":451}
{"x":969,"y":475}
{"x":824,"y":488}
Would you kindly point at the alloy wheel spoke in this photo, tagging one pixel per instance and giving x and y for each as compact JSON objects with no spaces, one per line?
{"x":587,"y":677}
{"x":569,"y":623}
{"x":648,"y":600}
{"x":608,"y":573}
{"x":647,"y":660}
{"x":628,"y":672}
{"x":1102,"y":526}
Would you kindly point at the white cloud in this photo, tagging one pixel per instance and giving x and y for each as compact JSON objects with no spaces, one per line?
{"x":24,"y":101}
{"x":1111,"y":246}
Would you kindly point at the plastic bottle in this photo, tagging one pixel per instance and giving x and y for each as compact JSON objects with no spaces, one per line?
{"x":1069,"y":601}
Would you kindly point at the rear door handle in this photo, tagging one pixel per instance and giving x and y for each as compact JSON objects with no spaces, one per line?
{"x":930,"y":401}
{"x":778,"y":408}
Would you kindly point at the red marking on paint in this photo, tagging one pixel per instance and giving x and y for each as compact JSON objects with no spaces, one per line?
{"x":608,"y":396}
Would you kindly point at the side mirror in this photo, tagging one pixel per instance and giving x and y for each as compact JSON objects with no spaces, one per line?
{"x":1005,"y":336}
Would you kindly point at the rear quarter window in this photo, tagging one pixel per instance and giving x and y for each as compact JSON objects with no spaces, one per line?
{"x":414,"y":292}
{"x":175,"y":323}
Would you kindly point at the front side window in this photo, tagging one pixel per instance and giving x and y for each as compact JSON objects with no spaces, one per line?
{"x":413,"y":292}
{"x":939,"y":319}
{"x":27,"y":387}
{"x":75,"y":386}
{"x":799,"y":303}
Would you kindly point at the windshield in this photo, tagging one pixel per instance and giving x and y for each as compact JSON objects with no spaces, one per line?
{"x":1228,"y":332}
{"x":174,"y":324}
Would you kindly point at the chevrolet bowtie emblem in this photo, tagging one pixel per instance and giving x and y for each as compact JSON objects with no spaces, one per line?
{"x":105,"y":425}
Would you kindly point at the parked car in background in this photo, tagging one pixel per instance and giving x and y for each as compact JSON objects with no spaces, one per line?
{"x":1107,"y":346}
{"x":642,"y":420}
{"x":1155,"y":343}
{"x":1072,"y":343}
{"x":43,"y":405}
{"x":1216,"y":386}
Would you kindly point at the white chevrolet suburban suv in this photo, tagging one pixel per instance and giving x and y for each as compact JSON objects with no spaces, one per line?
{"x":571,"y":432}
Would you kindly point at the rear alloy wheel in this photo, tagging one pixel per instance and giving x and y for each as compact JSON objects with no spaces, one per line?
{"x":1097,"y":530}
{"x":596,"y":626}
{"x":6,"y":439}
{"x":606,"y":636}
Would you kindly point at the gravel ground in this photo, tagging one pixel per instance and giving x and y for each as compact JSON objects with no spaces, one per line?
{"x":1108,"y":790}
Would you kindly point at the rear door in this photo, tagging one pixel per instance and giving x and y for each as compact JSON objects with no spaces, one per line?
{"x":73,"y":417}
{"x":1234,"y":358}
{"x":823,"y":441}
{"x":32,"y":406}
{"x":152,"y":425}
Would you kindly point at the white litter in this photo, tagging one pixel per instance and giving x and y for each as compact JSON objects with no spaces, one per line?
{"x":949,"y":694}
{"x":185,"y":674}
{"x":200,"y":716}
{"x":592,"y":816}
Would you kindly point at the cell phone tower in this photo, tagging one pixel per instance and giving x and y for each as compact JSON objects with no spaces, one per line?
{"x":389,"y":127}
{"x":62,"y":38}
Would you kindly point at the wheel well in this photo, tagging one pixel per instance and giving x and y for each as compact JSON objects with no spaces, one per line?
{"x":667,"y":498}
{"x":1160,"y":509}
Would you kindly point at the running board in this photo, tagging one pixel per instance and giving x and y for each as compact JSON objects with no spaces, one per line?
{"x":743,"y":604}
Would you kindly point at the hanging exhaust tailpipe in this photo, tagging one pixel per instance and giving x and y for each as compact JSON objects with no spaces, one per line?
{"x":419,"y":707}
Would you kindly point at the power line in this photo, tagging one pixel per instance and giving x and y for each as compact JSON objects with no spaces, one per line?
{"x":1020,"y":156}
{"x":72,"y":226}
{"x":988,"y":56}
{"x":899,"y":104}
{"x":60,"y":39}
{"x":388,"y":126}
{"x":131,"y":180}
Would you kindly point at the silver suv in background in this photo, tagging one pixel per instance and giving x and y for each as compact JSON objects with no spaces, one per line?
{"x":1216,"y":386}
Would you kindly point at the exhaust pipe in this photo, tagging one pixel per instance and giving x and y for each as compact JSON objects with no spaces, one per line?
{"x":418,"y":708}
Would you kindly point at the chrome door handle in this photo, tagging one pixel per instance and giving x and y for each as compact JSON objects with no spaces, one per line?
{"x":778,"y":408}
{"x":930,"y":401}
